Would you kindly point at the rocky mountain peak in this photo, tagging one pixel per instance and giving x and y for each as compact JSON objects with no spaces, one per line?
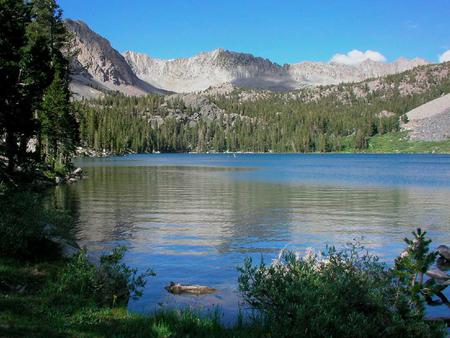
{"x":142,"y":73}
{"x":99,"y":65}
{"x":98,"y":57}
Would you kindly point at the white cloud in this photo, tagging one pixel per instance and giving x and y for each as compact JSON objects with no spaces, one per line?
{"x":444,"y":57}
{"x":356,"y":56}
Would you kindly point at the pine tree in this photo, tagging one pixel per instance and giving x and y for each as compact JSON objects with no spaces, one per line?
{"x":15,"y":106}
{"x":59,"y":128}
{"x":34,"y":94}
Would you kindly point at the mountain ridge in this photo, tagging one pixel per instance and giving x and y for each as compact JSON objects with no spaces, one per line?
{"x":245,"y":70}
{"x":100,"y":67}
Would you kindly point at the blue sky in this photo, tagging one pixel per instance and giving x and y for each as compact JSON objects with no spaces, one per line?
{"x":283,"y":31}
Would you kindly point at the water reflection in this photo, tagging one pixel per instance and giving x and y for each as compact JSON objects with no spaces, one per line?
{"x":194,"y":222}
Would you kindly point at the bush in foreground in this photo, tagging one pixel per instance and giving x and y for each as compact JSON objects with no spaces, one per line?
{"x":345,"y":293}
{"x":32,"y":307}
{"x":110,"y":283}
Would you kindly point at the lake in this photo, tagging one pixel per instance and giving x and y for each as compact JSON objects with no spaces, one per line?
{"x":193,"y":218}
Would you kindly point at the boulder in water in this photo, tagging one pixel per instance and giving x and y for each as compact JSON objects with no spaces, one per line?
{"x":78,"y":172}
{"x":438,"y":274}
{"x":442,"y":264}
{"x":67,"y":248}
{"x":444,"y":252}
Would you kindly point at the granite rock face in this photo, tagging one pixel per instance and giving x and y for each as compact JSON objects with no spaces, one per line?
{"x":99,"y":67}
{"x":211,"y":69}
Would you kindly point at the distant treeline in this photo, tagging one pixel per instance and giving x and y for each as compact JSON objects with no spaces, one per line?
{"x":340,"y":121}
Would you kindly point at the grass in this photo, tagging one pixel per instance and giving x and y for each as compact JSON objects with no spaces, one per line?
{"x":398,"y":143}
{"x":27,"y":310}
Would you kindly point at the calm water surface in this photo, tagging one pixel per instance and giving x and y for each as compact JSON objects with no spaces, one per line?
{"x":194,"y":218}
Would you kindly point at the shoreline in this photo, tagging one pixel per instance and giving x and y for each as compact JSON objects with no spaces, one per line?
{"x":264,"y":153}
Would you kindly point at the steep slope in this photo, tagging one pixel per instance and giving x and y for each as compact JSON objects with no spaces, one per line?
{"x":220,"y":66}
{"x":99,"y":67}
{"x":430,"y":121}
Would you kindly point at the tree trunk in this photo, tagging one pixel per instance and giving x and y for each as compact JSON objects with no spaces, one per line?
{"x":11,"y":151}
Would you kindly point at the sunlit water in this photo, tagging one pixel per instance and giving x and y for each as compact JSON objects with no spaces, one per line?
{"x":194,"y":218}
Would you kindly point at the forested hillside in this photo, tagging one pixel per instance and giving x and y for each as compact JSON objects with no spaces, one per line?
{"x":318,"y":119}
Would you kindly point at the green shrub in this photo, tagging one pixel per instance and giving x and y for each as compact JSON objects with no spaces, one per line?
{"x":23,"y":217}
{"x":346,"y":293}
{"x":410,"y":269}
{"x":109,"y":283}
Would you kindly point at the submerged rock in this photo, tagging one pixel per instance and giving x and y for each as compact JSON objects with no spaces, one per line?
{"x":444,"y":251}
{"x":442,"y":264}
{"x":438,"y":274}
{"x":67,"y":248}
{"x":78,"y":172}
{"x":177,"y":289}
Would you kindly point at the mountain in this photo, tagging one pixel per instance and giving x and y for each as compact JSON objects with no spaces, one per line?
{"x":339,"y":117}
{"x":98,"y":67}
{"x":209,"y":69}
{"x":320,"y":73}
{"x":220,"y":66}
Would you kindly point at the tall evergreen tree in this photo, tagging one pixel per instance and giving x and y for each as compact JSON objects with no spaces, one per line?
{"x":16,"y":123}
{"x":34,"y":83}
{"x":58,"y":127}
